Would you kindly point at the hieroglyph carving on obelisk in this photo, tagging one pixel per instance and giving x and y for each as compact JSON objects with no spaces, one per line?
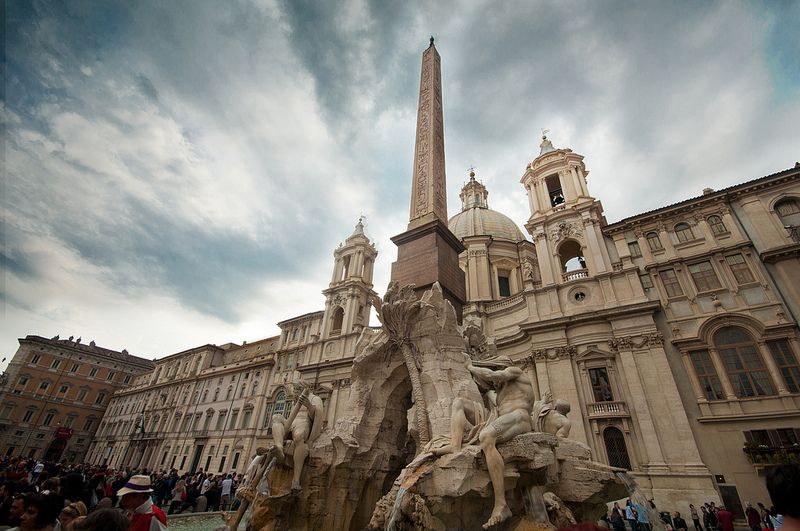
{"x":428,"y":190}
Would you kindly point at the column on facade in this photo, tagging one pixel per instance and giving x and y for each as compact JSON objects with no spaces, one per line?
{"x":580,"y":192}
{"x":647,"y":254}
{"x":544,"y":195}
{"x":772,"y":367}
{"x":693,"y":379}
{"x":567,"y":184}
{"x":544,"y":259}
{"x":638,"y":402}
{"x":666,"y":241}
{"x":705,"y":229}
{"x":600,"y":258}
{"x":722,"y":374}
{"x":533,"y":200}
{"x":542,"y":377}
{"x":530,"y":371}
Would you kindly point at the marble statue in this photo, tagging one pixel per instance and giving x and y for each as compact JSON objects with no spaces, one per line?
{"x":551,"y":416}
{"x":511,"y":417}
{"x":558,"y":513}
{"x":302,"y":427}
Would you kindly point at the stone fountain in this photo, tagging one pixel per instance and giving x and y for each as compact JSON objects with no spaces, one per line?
{"x":377,"y":468}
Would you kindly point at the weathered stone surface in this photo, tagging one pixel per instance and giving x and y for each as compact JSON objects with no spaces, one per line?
{"x":569,"y":449}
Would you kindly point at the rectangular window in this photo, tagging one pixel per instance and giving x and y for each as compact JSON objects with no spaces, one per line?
{"x":298,"y":358}
{"x":35,"y":359}
{"x":704,"y":368}
{"x":787,"y":437}
{"x":110,"y":376}
{"x":503,"y":283}
{"x":225,"y":450}
{"x":183,"y":462}
{"x":40,"y":435}
{"x":93,"y":372}
{"x":289,"y":360}
{"x":23,"y":380}
{"x":601,"y":385}
{"x":704,"y":276}
{"x":647,"y":282}
{"x":634,"y":249}
{"x":127,"y":378}
{"x":235,"y":461}
{"x":56,"y":364}
{"x":28,"y":416}
{"x":69,"y":422}
{"x":671,"y":284}
{"x":100,"y":398}
{"x":74,"y":367}
{"x":63,"y":389}
{"x":234,"y":418}
{"x":739,"y":269}
{"x":82,"y":395}
{"x":786,"y":361}
{"x":246,"y":418}
{"x":43,"y":386}
{"x":221,"y":420}
{"x":48,"y":419}
{"x":221,"y":464}
{"x":6,"y":411}
{"x":87,"y":426}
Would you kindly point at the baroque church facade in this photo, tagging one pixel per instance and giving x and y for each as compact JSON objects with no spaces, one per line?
{"x":673,"y":333}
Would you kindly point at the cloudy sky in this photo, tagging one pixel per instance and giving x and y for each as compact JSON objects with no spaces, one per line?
{"x":179,"y":172}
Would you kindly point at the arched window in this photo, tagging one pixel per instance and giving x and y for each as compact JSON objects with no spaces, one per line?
{"x":789,"y":211}
{"x":684,"y":232}
{"x":338,"y":318}
{"x":616,"y":449}
{"x":654,"y":241}
{"x":571,"y":256}
{"x":743,"y":362}
{"x":716,"y":224}
{"x":280,"y":403}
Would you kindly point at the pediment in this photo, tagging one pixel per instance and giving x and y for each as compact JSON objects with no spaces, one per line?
{"x":594,"y":354}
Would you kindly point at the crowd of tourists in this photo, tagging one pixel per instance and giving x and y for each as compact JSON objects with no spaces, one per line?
{"x":46,"y":496}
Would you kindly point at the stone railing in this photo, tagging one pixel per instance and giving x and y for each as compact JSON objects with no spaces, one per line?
{"x":569,"y":276}
{"x":505,"y":303}
{"x":607,"y":409}
{"x":199,"y":433}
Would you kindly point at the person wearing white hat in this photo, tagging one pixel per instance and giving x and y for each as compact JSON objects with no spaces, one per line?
{"x":135,"y":499}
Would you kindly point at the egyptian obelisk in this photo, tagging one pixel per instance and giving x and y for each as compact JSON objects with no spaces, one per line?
{"x":427,"y":251}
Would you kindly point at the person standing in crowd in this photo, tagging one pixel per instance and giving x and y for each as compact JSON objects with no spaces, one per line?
{"x":70,"y":513}
{"x":15,"y":511}
{"x":765,"y":516}
{"x":103,"y":520}
{"x":753,"y":517}
{"x":641,"y":517}
{"x":227,"y":486}
{"x":709,"y":518}
{"x":178,"y":496}
{"x":678,"y":523}
{"x":41,"y":512}
{"x":783,"y":484}
{"x":724,"y":519}
{"x":135,"y":499}
{"x":617,"y":518}
{"x":695,"y":518}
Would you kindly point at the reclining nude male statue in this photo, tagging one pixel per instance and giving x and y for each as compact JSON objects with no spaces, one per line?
{"x":512,"y":417}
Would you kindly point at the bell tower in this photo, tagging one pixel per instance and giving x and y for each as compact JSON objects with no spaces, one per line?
{"x":348,"y":296}
{"x":565,"y":220}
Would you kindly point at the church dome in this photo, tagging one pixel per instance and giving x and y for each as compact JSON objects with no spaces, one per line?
{"x":477,"y":219}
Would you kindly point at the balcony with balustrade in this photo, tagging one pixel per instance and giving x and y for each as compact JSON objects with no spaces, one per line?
{"x":612,"y":409}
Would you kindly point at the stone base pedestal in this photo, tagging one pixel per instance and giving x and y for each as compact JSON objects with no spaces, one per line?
{"x":426,"y":254}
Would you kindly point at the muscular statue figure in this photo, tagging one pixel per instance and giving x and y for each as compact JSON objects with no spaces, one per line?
{"x":512,"y":417}
{"x":303,"y":427}
{"x":551,"y":417}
